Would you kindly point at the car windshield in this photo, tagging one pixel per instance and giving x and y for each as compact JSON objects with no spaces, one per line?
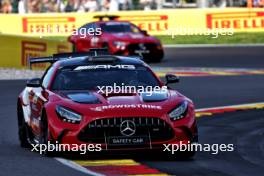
{"x":119,"y":28}
{"x":70,"y":79}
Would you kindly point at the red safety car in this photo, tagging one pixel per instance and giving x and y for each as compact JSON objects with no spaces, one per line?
{"x":120,"y":37}
{"x":65,"y":106}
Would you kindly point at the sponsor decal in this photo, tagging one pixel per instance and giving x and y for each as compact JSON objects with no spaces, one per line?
{"x":128,"y":140}
{"x":149,"y":23}
{"x":32,"y":49}
{"x":50,"y":25}
{"x":128,"y":129}
{"x":92,"y":67}
{"x":121,"y":106}
{"x":236,"y":20}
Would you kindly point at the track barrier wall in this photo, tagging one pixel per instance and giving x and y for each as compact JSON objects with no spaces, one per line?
{"x":15,"y":50}
{"x":21,"y":34}
{"x":155,"y":22}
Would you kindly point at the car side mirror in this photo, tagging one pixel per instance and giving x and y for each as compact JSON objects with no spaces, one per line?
{"x":170,"y":78}
{"x":35,"y":82}
{"x":145,"y":32}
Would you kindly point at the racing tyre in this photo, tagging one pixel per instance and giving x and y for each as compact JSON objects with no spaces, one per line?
{"x":44,"y":139}
{"x":158,"y":57}
{"x":22,"y":128}
{"x":157,"y":60}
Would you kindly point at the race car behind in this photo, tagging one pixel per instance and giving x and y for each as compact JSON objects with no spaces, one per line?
{"x":119,"y":37}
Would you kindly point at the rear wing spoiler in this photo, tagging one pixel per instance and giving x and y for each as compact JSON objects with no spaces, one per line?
{"x":38,"y":60}
{"x":62,"y":56}
{"x":91,"y":52}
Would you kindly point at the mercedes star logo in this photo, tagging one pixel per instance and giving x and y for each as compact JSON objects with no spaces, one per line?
{"x":128,"y":128}
{"x":142,"y":46}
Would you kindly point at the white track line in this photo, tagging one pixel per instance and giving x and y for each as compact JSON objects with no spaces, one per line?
{"x":230,"y":106}
{"x":78,"y":167}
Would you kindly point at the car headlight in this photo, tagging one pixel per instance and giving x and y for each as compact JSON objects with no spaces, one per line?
{"x":179,"y":112}
{"x":119,"y":45}
{"x":68,"y":115}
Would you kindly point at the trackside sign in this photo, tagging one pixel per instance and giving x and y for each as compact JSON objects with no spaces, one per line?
{"x":246,"y":21}
{"x":155,"y":22}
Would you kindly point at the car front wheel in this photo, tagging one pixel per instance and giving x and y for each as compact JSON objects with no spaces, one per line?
{"x":22,"y":128}
{"x":44,"y":138}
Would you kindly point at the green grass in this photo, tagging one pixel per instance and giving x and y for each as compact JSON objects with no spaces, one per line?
{"x":237,"y":38}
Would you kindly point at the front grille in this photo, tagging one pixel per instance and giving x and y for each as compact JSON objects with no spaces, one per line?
{"x":99,"y":130}
{"x":152,"y":54}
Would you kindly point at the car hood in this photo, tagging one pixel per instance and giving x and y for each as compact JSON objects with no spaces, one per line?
{"x":98,"y":105}
{"x":132,"y":37}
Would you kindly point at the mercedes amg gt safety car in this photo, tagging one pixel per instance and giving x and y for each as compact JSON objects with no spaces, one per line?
{"x":65,"y":105}
{"x":120,"y":37}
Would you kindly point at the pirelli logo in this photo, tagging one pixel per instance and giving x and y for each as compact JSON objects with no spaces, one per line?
{"x":39,"y":49}
{"x":32,"y":49}
{"x":63,"y":48}
{"x":236,"y":20}
{"x":50,"y":25}
{"x":148,"y":22}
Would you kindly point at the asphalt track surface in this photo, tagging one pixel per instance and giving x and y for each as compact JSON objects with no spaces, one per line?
{"x":244,"y":129}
